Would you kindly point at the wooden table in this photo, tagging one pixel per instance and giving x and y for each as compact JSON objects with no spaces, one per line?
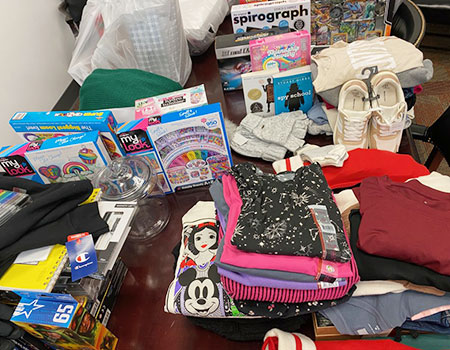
{"x":138,"y":318}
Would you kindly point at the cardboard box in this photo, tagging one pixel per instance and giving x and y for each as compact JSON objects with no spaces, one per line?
{"x":14,"y":163}
{"x":173,"y":101}
{"x":38,"y":126}
{"x":233,"y":55}
{"x":293,"y":14}
{"x":61,"y":322}
{"x":68,"y":158}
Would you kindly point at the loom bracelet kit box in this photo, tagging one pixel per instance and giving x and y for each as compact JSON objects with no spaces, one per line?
{"x":68,"y":158}
{"x":188,"y":148}
{"x":38,"y":126}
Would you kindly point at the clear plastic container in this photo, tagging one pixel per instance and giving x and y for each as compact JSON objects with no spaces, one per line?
{"x":134,"y":179}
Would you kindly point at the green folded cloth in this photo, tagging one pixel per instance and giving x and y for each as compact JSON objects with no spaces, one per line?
{"x":116,"y":88}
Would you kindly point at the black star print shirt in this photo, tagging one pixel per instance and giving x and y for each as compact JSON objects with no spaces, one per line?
{"x":292,"y":213}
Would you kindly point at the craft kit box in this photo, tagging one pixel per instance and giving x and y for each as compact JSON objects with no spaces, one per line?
{"x":189,"y":147}
{"x":233,"y":55}
{"x":292,"y":14}
{"x":68,"y":158}
{"x":36,"y":126}
{"x":14,"y":163}
{"x":135,"y":142}
{"x":59,"y":321}
{"x":192,"y":146}
{"x":154,"y":107}
{"x":284,"y":51}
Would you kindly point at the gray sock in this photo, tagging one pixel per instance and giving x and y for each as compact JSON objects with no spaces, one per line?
{"x":247,"y":144}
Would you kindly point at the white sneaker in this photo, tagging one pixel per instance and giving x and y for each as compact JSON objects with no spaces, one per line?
{"x":389,"y":112}
{"x":351,"y":129}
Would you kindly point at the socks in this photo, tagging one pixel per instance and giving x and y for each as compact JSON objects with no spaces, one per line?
{"x":327,"y":155}
{"x":270,"y":138}
{"x":276,"y":339}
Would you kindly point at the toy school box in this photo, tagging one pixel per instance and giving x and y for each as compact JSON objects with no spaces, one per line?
{"x":61,"y":322}
{"x":153,"y":107}
{"x":192,"y":146}
{"x":292,"y":14}
{"x":35,"y":126}
{"x":233,"y":55}
{"x":68,"y":158}
{"x":14,"y":163}
{"x":285,"y":51}
{"x":135,"y":142}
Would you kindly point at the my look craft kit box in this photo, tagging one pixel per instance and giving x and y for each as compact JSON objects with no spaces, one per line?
{"x":154,"y":107}
{"x":36,"y":126}
{"x":61,"y":322}
{"x":14,"y":163}
{"x":68,"y":158}
{"x":135,"y":142}
{"x":189,"y":147}
{"x":292,"y":14}
{"x":233,"y":55}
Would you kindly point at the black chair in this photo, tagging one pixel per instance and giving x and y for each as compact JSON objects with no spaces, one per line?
{"x":409,"y":23}
{"x":439,"y":135}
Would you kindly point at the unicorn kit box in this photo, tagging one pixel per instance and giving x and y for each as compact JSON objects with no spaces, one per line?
{"x":36,"y":126}
{"x":192,"y":146}
{"x":284,"y":51}
{"x":14,"y":163}
{"x":68,"y":158}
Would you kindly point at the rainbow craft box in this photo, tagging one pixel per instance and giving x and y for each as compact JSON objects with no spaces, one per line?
{"x":35,"y":126}
{"x":134,"y":140}
{"x":14,"y":163}
{"x":68,"y":158}
{"x":284,"y":51}
{"x":192,"y":146}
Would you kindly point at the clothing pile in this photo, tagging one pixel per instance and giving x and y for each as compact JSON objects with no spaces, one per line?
{"x":393,"y":237}
{"x":277,"y":250}
{"x":404,"y":273}
{"x":284,"y":250}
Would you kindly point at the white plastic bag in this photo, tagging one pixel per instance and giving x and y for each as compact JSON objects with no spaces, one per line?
{"x":201,"y":19}
{"x":141,"y":34}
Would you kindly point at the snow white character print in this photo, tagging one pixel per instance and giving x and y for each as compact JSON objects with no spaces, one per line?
{"x":202,"y":244}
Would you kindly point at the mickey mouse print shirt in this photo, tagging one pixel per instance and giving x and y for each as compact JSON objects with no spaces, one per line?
{"x":292,"y":213}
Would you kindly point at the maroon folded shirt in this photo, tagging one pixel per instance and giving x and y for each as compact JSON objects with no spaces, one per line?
{"x":405,"y":221}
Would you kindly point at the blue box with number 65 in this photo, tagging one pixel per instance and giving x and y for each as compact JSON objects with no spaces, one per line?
{"x":59,"y":320}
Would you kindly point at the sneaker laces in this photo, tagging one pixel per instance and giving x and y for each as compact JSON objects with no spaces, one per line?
{"x":389,"y":128}
{"x":354,"y":128}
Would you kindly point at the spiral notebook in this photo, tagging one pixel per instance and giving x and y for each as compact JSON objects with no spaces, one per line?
{"x":40,"y":277}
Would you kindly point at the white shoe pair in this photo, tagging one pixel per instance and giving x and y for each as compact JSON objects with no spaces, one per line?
{"x":379,"y":123}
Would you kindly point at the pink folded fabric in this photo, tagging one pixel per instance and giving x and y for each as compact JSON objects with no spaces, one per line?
{"x":307,"y":265}
{"x":299,"y":264}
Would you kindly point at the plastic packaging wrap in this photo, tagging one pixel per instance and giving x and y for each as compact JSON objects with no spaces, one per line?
{"x":141,"y":34}
{"x":201,"y":19}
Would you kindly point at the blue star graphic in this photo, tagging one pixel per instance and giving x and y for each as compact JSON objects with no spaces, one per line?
{"x":27,"y":308}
